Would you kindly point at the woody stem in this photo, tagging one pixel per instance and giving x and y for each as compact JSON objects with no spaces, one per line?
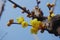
{"x":20,"y":7}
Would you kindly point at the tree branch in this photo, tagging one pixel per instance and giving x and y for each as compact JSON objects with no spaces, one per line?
{"x":26,"y":11}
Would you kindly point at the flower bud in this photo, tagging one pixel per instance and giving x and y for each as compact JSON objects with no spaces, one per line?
{"x":14,"y":6}
{"x":48,"y":4}
{"x":52,"y":5}
{"x":10,"y":22}
{"x":22,"y":11}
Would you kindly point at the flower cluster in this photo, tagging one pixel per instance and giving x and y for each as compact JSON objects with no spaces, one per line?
{"x":21,"y":21}
{"x":34,"y":30}
{"x":36,"y":25}
{"x":24,"y":24}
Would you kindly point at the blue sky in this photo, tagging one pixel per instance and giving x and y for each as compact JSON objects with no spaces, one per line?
{"x":16,"y":32}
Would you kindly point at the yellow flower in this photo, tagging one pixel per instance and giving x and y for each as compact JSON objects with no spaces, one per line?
{"x":24,"y":24}
{"x":52,"y":15}
{"x":20,"y":20}
{"x":34,"y":30}
{"x":35,"y":23}
{"x":49,"y":18}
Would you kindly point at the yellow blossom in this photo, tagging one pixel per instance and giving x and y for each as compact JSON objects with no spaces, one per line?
{"x":49,"y":18}
{"x":35,"y":23}
{"x":24,"y":24}
{"x":20,"y":20}
{"x":52,"y":15}
{"x":34,"y":30}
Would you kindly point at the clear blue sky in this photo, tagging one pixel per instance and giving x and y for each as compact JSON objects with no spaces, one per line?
{"x":16,"y":32}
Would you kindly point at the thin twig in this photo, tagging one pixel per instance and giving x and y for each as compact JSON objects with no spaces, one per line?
{"x":37,"y":3}
{"x":2,"y":4}
{"x":54,"y":4}
{"x":18,"y":23}
{"x":4,"y":36}
{"x":28,"y":12}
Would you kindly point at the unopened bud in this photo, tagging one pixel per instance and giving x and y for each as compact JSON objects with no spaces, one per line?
{"x":24,"y":7}
{"x":52,"y":5}
{"x":22,"y":11}
{"x":48,"y":4}
{"x":10,"y":22}
{"x":14,"y":6}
